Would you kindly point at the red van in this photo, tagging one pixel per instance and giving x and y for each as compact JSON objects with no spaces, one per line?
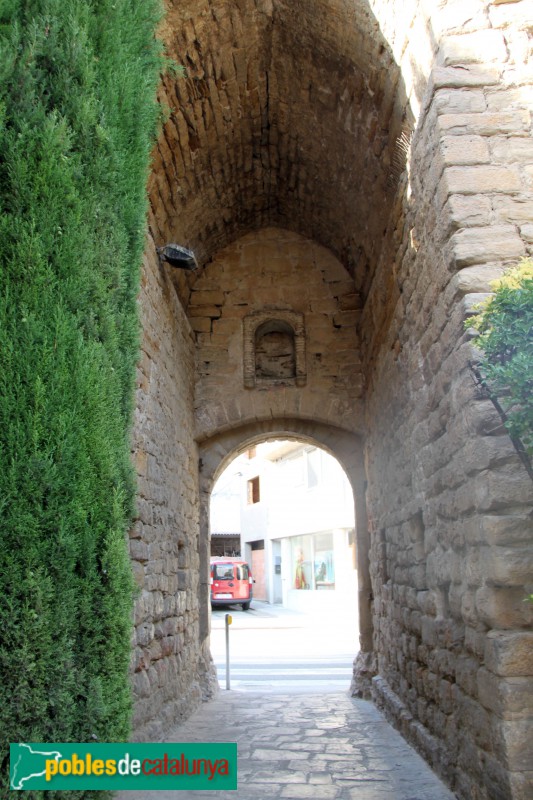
{"x":231,"y":582}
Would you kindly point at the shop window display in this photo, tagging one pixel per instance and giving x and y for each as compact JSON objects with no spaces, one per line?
{"x":312,"y":561}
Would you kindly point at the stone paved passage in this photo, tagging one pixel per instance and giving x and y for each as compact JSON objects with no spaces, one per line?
{"x":297,"y":746}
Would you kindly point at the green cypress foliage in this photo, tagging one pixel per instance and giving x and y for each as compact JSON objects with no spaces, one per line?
{"x":77,"y":119}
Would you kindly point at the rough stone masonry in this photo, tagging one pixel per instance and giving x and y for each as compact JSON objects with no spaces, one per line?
{"x":350,"y":174}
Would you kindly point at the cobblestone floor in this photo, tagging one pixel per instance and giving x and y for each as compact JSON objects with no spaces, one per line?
{"x":297,"y":746}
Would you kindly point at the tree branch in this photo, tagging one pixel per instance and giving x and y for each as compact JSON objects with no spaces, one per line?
{"x":518,"y":445}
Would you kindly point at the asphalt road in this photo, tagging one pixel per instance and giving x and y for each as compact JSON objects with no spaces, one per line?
{"x":273,"y":649}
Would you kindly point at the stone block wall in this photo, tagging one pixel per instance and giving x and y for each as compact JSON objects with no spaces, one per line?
{"x":171,"y":668}
{"x":449,"y":502}
{"x":275,"y":272}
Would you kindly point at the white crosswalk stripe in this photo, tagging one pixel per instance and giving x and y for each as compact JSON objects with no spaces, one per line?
{"x":335,"y":675}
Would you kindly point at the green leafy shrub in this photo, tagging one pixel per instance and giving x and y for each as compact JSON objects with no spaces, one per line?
{"x":77,"y":120}
{"x":505,"y":326}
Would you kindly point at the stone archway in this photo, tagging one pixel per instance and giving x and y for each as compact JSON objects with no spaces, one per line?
{"x":218,"y":451}
{"x":366,"y":165}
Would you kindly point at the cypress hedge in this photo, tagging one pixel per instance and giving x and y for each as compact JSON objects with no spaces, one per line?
{"x":78,"y":116}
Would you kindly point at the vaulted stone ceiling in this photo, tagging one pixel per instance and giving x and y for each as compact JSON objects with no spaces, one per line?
{"x":288,"y":116}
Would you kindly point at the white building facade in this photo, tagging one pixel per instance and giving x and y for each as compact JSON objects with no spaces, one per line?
{"x":297,"y":526}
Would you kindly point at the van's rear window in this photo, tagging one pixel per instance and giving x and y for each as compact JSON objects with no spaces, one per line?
{"x":223,"y":572}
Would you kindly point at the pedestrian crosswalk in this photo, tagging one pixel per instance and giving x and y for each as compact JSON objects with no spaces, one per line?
{"x":274,"y":649}
{"x":324,"y":675}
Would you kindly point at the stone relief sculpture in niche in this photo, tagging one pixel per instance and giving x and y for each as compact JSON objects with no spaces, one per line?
{"x":274,"y":349}
{"x":275,"y":353}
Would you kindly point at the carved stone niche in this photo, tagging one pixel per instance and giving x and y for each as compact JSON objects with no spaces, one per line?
{"x":274,"y":349}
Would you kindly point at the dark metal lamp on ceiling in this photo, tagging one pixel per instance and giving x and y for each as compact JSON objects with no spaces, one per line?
{"x":177,"y":256}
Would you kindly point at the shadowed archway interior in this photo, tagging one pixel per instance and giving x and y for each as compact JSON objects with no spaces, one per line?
{"x":279,"y":123}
